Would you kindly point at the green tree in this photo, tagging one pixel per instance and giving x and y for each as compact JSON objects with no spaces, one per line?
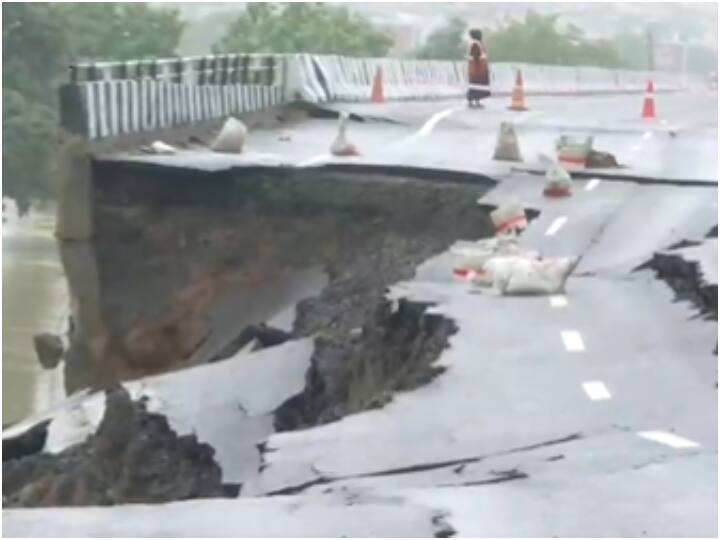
{"x":119,"y":31}
{"x":537,"y":40}
{"x":302,"y":27}
{"x":39,"y":40}
{"x":33,"y":55}
{"x":445,"y":43}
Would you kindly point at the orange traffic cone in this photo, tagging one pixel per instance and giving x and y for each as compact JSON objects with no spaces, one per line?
{"x":517,"y":102}
{"x":648,"y":110}
{"x":377,"y":95}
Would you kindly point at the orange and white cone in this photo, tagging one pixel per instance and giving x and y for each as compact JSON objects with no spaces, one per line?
{"x":377,"y":95}
{"x":517,"y":101}
{"x":648,"y":110}
{"x":341,"y":147}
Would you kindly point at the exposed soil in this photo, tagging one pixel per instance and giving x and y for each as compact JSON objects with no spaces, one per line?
{"x":134,"y":457}
{"x":393,"y":350}
{"x":186,"y":259}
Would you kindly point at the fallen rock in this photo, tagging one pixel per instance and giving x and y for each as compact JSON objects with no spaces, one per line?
{"x":49,"y":349}
{"x":134,"y":457}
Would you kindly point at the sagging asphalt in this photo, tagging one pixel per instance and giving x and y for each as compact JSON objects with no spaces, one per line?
{"x":640,"y":460}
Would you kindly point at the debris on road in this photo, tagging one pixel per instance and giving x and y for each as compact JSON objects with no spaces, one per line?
{"x":231,"y":138}
{"x":160,"y":148}
{"x":507,"y":148}
{"x":341,"y":147}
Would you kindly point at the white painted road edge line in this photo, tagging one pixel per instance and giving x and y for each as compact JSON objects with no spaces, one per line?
{"x":558,"y":300}
{"x":555,"y":225}
{"x":428,"y":126}
{"x":572,"y":340}
{"x":667,"y":438}
{"x":592,"y":184}
{"x":435,"y":118}
{"x":596,"y":390}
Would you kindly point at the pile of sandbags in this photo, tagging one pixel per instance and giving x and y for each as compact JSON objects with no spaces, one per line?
{"x":522,"y":275}
{"x":501,"y":263}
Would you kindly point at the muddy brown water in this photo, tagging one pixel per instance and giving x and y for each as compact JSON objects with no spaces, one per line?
{"x":34,"y":300}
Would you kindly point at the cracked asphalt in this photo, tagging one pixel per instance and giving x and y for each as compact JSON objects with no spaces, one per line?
{"x":592,"y":413}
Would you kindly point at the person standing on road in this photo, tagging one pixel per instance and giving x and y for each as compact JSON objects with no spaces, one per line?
{"x":478,"y":70}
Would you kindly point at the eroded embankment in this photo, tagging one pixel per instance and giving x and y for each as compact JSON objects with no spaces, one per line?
{"x":360,"y":369}
{"x":185,"y":259}
{"x":133,"y":457}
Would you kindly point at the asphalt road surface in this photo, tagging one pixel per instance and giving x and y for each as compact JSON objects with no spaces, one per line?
{"x":592,"y":413}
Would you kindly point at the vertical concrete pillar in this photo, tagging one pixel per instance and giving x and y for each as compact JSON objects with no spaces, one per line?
{"x":74,"y":219}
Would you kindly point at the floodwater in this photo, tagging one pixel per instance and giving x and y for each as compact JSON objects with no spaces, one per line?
{"x":35,"y":300}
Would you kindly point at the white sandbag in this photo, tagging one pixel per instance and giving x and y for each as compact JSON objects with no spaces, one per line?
{"x":557,"y":181}
{"x":572,"y":152}
{"x":509,"y":219}
{"x":341,"y":147}
{"x":521,"y":275}
{"x":473,"y":255}
{"x":231,"y":138}
{"x":507,"y":148}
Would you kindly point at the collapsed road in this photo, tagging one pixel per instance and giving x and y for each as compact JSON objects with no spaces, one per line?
{"x":401,"y":391}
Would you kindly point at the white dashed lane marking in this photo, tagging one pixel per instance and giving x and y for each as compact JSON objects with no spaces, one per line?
{"x":596,"y":390}
{"x":558,"y":300}
{"x":572,"y":340}
{"x":667,"y":438}
{"x":592,"y":184}
{"x":555,"y":225}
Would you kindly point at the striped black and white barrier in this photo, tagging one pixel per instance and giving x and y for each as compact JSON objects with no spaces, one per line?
{"x":106,"y":100}
{"x":323,"y":78}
